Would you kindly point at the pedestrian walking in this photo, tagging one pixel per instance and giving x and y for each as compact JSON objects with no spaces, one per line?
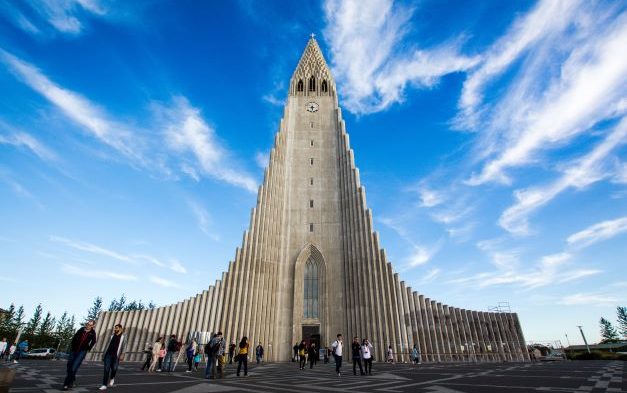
{"x":221,"y":358}
{"x":415,"y":354}
{"x":83,"y":340}
{"x":157,"y":347}
{"x":162,"y":352}
{"x":259,"y":353}
{"x":113,"y":354}
{"x":295,"y":356}
{"x":356,"y":352}
{"x":148,"y":362}
{"x":367,"y":355}
{"x":312,"y":354}
{"x":190,"y":352}
{"x":172,"y":348}
{"x":231,"y":351}
{"x":197,"y":359}
{"x":302,"y":355}
{"x":212,"y":350}
{"x":22,"y":348}
{"x":390,"y":355}
{"x":337,"y":348}
{"x":242,"y":356}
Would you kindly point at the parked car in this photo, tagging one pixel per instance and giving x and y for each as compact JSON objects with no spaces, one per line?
{"x":41,"y":353}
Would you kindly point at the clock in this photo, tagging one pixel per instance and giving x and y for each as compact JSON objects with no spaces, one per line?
{"x":312,"y":107}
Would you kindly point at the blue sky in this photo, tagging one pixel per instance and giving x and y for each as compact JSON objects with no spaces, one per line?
{"x":490,"y":139}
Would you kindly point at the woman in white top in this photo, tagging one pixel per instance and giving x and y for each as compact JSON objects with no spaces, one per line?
{"x":366,"y":354}
{"x":390,"y":358}
{"x":156,"y":349}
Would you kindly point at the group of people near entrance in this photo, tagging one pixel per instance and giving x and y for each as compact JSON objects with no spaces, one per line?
{"x":163,"y":356}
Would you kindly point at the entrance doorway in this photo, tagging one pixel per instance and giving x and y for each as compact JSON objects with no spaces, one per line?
{"x":311,"y":333}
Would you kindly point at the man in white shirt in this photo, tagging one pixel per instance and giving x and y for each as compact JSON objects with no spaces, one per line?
{"x":337,"y":353}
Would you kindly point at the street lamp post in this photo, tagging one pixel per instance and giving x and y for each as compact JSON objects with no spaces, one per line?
{"x":584,"y":338}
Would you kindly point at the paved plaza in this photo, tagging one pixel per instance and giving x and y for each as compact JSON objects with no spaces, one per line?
{"x":580,"y":376}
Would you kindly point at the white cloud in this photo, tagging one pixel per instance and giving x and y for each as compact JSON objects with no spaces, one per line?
{"x":262,"y":159}
{"x":18,"y":188}
{"x":79,"y":109}
{"x":366,"y":43}
{"x":163,"y":282}
{"x":97,"y":274}
{"x":585,"y":171}
{"x":429,"y":277}
{"x":178,"y":267}
{"x":598,"y":232}
{"x":421,"y":255}
{"x":588,"y":299}
{"x":429,"y":198}
{"x":547,"y":18}
{"x":22,"y":139}
{"x":544,"y":111}
{"x":92,"y":248}
{"x":187,"y":132}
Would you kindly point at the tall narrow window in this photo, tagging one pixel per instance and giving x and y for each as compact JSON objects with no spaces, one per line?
{"x":300,"y":86}
{"x":311,"y":144}
{"x":311,"y":181}
{"x":311,"y":161}
{"x":324,"y":87}
{"x":311,"y":203}
{"x":310,"y":227}
{"x":310,"y":292}
{"x":312,"y":84}
{"x":311,"y":124}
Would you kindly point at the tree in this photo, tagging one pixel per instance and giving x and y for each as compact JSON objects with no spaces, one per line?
{"x":33,"y":323}
{"x":44,"y":336}
{"x":64,"y":331}
{"x":94,"y":311}
{"x":151,"y":305}
{"x":6,"y":327}
{"x":621,"y":312}
{"x":18,"y":319}
{"x":607,"y":331}
{"x":118,"y":305}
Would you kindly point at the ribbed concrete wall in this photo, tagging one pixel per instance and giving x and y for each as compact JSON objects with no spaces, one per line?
{"x":260,"y":295}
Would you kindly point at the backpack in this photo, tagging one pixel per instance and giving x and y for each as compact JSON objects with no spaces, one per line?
{"x":208,"y":349}
{"x":334,"y":347}
{"x":177,"y":346}
{"x":216,"y":347}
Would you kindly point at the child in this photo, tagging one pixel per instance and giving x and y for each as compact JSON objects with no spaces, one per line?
{"x":197,"y":361}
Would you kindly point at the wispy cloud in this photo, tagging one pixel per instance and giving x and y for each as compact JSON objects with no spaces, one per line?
{"x":92,"y":249}
{"x":24,"y":140}
{"x":588,"y":299}
{"x":429,"y":277}
{"x":18,"y":188}
{"x":584,"y":171}
{"x":163,"y":282}
{"x":543,"y":111}
{"x":203,"y":218}
{"x":370,"y":60}
{"x":96,"y":274}
{"x":64,"y":16}
{"x":421,"y":255}
{"x":598,"y":232}
{"x":262,"y":159}
{"x":187,"y":132}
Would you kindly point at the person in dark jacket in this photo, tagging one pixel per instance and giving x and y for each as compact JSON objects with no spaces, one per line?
{"x":312,"y":354}
{"x":84,"y":339}
{"x":113,"y":354}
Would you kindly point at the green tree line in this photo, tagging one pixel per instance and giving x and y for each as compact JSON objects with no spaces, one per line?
{"x":43,"y":330}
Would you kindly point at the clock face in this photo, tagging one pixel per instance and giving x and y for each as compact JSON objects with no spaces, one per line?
{"x":312,"y":107}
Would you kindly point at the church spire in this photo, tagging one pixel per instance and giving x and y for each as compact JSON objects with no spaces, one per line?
{"x":312,"y":75}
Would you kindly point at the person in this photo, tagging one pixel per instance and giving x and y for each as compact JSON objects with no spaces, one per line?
{"x":415,"y":354}
{"x":312,"y":354}
{"x":259,"y":353}
{"x":366,"y":354}
{"x":83,"y":340}
{"x":197,"y":359}
{"x":231,"y":351}
{"x":162,"y":353}
{"x":212,"y":350}
{"x":337,"y":347}
{"x":295,"y":348}
{"x":302,"y":355}
{"x":148,"y":362}
{"x":390,"y":355}
{"x":242,"y":356}
{"x":113,"y":354}
{"x":156,"y":353}
{"x":22,"y":348}
{"x":190,"y":351}
{"x":3,"y":347}
{"x":356,"y":352}
{"x":12,"y":350}
{"x":221,"y":358}
{"x":171,"y":349}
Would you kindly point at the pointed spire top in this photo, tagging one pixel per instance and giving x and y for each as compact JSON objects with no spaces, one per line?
{"x":312,"y":61}
{"x":313,"y":36}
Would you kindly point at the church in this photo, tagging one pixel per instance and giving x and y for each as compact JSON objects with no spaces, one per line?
{"x":310,"y":265}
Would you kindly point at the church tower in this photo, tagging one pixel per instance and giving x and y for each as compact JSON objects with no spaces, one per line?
{"x":311,"y":266}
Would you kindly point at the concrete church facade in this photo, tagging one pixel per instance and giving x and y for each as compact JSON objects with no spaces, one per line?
{"x":310,"y":265}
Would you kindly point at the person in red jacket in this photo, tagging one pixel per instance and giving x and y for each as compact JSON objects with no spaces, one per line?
{"x":84,"y":339}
